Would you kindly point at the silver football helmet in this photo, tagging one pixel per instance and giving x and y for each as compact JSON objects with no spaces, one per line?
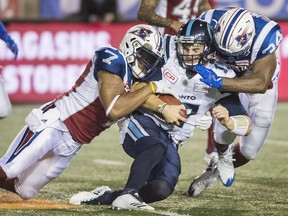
{"x":234,"y":34}
{"x":143,"y":48}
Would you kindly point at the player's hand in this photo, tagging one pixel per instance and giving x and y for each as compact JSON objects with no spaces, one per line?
{"x":204,"y":122}
{"x":172,"y":114}
{"x":161,"y":88}
{"x":222,"y":114}
{"x":209,"y":77}
{"x":11,"y":45}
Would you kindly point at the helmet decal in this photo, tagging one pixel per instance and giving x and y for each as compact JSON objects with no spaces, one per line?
{"x":244,"y":37}
{"x":143,"y":48}
{"x":142,"y":32}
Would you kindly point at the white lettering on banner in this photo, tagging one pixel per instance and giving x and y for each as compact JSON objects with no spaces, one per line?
{"x":62,"y":45}
{"x":41,"y":79}
{"x":284,"y":46}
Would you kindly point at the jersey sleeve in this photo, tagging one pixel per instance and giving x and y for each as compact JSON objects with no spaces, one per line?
{"x":110,"y":60}
{"x":272,"y":36}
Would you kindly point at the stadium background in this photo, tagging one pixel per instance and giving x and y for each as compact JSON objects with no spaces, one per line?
{"x":54,"y":51}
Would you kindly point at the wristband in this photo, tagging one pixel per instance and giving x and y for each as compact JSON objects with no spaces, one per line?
{"x":241,"y":125}
{"x":161,"y":107}
{"x":152,"y":87}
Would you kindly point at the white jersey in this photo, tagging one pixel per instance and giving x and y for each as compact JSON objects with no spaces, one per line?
{"x":197,"y":97}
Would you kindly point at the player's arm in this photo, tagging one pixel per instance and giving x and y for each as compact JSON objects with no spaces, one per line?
{"x":239,"y":124}
{"x":147,"y":13}
{"x":116,"y":102}
{"x":258,"y":82}
{"x":8,"y":40}
{"x":204,"y":6}
{"x":171,"y":113}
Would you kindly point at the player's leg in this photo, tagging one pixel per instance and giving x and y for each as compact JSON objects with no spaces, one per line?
{"x":28,"y":184}
{"x":261,"y":109}
{"x":5,"y":104}
{"x":163,"y":178}
{"x":211,"y":149}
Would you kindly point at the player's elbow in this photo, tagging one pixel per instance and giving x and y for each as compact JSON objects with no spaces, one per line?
{"x":116,"y":114}
{"x":141,"y":16}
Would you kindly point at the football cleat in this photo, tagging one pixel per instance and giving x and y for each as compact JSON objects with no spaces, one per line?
{"x":209,"y":156}
{"x":225,"y":167}
{"x":94,"y":197}
{"x":206,"y":179}
{"x":130,"y":200}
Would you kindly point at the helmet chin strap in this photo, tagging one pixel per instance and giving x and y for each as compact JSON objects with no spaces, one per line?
{"x":138,"y":74}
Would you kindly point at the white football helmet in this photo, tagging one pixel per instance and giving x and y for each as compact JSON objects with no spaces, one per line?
{"x":143,"y":48}
{"x":234,"y":34}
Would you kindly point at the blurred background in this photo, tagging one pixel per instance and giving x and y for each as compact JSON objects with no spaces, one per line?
{"x":56,"y":38}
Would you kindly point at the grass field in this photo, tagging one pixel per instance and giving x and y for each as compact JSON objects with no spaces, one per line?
{"x":260,"y":188}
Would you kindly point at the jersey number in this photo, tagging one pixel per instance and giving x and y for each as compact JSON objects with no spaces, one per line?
{"x":182,"y":10}
{"x":111,"y":58}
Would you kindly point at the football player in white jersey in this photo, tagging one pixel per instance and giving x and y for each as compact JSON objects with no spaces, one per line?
{"x":56,"y":131}
{"x":152,"y":142}
{"x":247,"y":43}
{"x":5,"y":104}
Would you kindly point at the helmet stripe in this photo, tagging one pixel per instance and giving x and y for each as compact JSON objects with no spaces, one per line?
{"x":189,"y":27}
{"x":227,"y":31}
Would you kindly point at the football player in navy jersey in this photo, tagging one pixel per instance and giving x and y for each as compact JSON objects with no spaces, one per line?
{"x":5,"y":104}
{"x":153,"y":144}
{"x":55,"y":132}
{"x":247,"y":43}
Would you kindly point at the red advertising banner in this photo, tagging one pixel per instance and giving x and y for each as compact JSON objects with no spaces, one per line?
{"x":283,"y":81}
{"x":53,"y":55}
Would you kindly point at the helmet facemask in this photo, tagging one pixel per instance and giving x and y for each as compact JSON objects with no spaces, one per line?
{"x":145,"y":62}
{"x":143,"y":48}
{"x":191,"y":53}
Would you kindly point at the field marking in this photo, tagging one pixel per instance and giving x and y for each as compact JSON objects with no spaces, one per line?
{"x":276,"y":142}
{"x":168,"y":213}
{"x":109,"y":162}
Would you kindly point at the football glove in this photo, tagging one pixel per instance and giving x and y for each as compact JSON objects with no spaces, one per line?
{"x":209,"y":77}
{"x":163,"y":89}
{"x":204,"y":121}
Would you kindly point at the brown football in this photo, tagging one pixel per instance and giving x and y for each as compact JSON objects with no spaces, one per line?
{"x":171,"y":100}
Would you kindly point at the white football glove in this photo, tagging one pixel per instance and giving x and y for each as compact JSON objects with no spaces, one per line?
{"x":163,"y":89}
{"x":204,"y":122}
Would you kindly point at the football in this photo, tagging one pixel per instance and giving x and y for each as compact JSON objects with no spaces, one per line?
{"x":170,"y":100}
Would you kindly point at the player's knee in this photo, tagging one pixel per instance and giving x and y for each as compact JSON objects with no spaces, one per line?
{"x":263,"y":119}
{"x":163,"y":191}
{"x":27,"y":192}
{"x":249,"y":154}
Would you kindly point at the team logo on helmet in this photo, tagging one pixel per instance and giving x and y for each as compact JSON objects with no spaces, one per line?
{"x":244,"y":37}
{"x":142,"y":33}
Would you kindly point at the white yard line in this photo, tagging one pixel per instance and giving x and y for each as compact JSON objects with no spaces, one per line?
{"x":168,"y":213}
{"x":109,"y":162}
{"x":276,"y":142}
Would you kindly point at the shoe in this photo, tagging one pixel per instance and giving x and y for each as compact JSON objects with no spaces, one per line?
{"x":208,"y":156}
{"x":94,"y":197}
{"x":130,"y":200}
{"x":225,"y":167}
{"x":206,"y":179}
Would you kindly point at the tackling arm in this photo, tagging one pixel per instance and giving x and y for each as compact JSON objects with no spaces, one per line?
{"x":258,"y":82}
{"x":113,"y":96}
{"x":171,"y":113}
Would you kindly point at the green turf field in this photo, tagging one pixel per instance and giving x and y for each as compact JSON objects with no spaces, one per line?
{"x":260,"y":187}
